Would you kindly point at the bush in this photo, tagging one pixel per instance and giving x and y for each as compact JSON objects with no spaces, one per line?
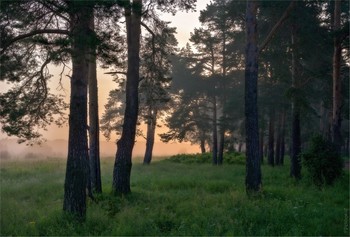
{"x":322,"y":161}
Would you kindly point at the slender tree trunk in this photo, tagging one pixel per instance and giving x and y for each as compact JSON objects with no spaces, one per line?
{"x":336,"y":119}
{"x":202,"y":145}
{"x":278,"y":141}
{"x":122,"y":165}
{"x":295,"y":170}
{"x":215,"y":133}
{"x":261,"y":145}
{"x":77,"y":161}
{"x":253,"y":169}
{"x":221,"y":145}
{"x":283,"y":131}
{"x":151,"y":130}
{"x":271,"y":155}
{"x":94,"y":134}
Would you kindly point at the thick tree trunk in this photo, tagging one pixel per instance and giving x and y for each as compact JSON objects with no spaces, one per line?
{"x":295,"y":169}
{"x":271,"y":155}
{"x":94,"y":134}
{"x":122,"y":165}
{"x":253,"y":169}
{"x":215,"y":133}
{"x":336,"y":119}
{"x":77,"y":161}
{"x":151,"y":130}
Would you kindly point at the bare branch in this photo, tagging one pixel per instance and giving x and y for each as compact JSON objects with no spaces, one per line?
{"x":277,"y":25}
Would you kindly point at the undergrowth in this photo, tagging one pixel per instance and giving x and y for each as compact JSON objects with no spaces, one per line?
{"x":172,"y":199}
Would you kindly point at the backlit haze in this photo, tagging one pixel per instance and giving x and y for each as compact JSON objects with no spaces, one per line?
{"x":57,"y":137}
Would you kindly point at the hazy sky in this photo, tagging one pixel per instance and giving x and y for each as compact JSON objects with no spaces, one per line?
{"x":185,"y":22}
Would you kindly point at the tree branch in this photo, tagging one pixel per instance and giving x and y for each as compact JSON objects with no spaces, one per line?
{"x":32,"y":33}
{"x":153,"y":37}
{"x":277,"y":25}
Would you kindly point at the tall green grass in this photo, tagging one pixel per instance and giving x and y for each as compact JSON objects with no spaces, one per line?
{"x":173,"y":199}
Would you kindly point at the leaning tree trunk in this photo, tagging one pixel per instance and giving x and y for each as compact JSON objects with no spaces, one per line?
{"x":94,"y":134}
{"x":151,"y":130}
{"x":336,"y":119}
{"x":122,"y":165}
{"x":77,"y":161}
{"x":295,"y":169}
{"x":202,"y":143}
{"x":253,"y":169}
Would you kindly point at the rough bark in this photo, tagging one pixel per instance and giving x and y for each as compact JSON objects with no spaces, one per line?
{"x":295,"y":169}
{"x":270,"y":158}
{"x":151,"y":130}
{"x":253,"y":169}
{"x":77,"y":161}
{"x":122,"y":165}
{"x":215,"y":133}
{"x":202,"y":145}
{"x":336,"y":118}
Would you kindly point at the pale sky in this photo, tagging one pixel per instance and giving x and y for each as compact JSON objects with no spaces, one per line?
{"x":185,"y":22}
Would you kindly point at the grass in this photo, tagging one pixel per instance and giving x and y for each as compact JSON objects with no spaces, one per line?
{"x":173,"y":199}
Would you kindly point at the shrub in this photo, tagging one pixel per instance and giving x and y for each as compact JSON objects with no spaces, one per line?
{"x":322,"y":161}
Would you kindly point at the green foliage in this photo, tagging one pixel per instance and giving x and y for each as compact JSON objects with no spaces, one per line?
{"x":322,"y":161}
{"x":171,"y":199}
{"x":229,"y":158}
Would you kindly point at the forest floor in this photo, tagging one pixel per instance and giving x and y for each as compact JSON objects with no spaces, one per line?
{"x":172,"y":199}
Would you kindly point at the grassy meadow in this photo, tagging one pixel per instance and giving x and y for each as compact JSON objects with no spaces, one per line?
{"x":172,"y":198}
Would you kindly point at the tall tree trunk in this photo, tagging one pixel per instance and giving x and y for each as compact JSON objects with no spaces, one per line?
{"x":122,"y":165}
{"x":77,"y":160}
{"x":261,"y":145}
{"x":253,"y":169}
{"x":278,"y":140}
{"x":283,"y":132}
{"x":271,"y":155}
{"x":215,"y":133}
{"x":202,"y":144}
{"x":222,"y":124}
{"x":221,"y":145}
{"x":151,"y":129}
{"x":295,"y":169}
{"x":336,"y":119}
{"x":94,"y":134}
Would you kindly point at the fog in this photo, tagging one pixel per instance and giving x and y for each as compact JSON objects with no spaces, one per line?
{"x":10,"y":149}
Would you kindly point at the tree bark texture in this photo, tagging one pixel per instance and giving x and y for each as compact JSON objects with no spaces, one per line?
{"x":94,"y":134}
{"x":295,"y":169}
{"x":336,"y":119}
{"x":151,"y":130}
{"x":77,"y":161}
{"x":253,"y":169}
{"x":270,"y":159}
{"x":122,"y":165}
